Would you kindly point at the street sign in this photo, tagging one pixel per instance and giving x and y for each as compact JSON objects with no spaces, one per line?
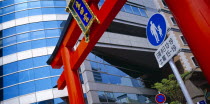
{"x":160,"y":98}
{"x":201,"y":102}
{"x":167,"y":50}
{"x":83,"y":15}
{"x":156,"y":29}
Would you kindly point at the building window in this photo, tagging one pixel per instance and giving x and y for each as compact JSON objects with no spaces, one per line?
{"x":134,"y":10}
{"x":164,"y":3}
{"x":183,"y":40}
{"x":102,"y":74}
{"x":128,"y":8}
{"x":124,"y":98}
{"x":173,"y":21}
{"x":143,"y":12}
{"x":195,"y":62}
{"x":101,"y":2}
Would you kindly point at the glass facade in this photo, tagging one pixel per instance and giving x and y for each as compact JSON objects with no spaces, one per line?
{"x":25,"y":8}
{"x":104,"y":72}
{"x":28,"y":75}
{"x":23,"y":72}
{"x":63,"y":100}
{"x":26,"y":37}
{"x":107,"y":73}
{"x":132,"y":9}
{"x":124,"y":98}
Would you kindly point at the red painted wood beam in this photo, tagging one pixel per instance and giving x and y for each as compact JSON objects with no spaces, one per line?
{"x":57,"y":61}
{"x":72,"y":34}
{"x":72,"y":59}
{"x":72,"y":79}
{"x":61,"y":83}
{"x":193,"y":18}
{"x":107,"y":13}
{"x":71,"y":37}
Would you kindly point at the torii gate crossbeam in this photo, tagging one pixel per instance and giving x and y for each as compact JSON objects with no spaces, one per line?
{"x":65,"y":55}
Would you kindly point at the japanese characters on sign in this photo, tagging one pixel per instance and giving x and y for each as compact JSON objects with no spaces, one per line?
{"x":167,"y":50}
{"x":83,"y":15}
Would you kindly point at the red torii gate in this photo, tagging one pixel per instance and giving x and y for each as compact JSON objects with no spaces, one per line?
{"x":65,"y":55}
{"x":193,"y":19}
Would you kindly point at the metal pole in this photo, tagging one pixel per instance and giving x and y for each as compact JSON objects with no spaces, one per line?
{"x":180,"y":81}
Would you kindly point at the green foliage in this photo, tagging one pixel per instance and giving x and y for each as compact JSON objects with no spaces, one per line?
{"x":171,"y":88}
{"x":186,"y":75}
{"x":175,"y":102}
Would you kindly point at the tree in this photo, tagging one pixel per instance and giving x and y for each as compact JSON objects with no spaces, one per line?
{"x":171,"y":88}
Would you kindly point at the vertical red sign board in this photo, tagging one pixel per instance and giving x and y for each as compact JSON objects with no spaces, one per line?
{"x":72,"y":59}
{"x":193,"y":18}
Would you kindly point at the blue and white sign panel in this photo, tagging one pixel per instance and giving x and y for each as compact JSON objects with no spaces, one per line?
{"x":167,"y":50}
{"x":201,"y":102}
{"x":156,"y":29}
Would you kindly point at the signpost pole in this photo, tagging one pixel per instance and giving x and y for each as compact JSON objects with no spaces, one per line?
{"x":180,"y":81}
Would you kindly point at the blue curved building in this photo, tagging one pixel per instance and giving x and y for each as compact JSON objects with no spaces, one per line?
{"x":29,"y":31}
{"x":115,"y":71}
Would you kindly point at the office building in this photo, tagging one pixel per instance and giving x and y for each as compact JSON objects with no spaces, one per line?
{"x":29,"y":31}
{"x":120,"y":69}
{"x":197,"y":85}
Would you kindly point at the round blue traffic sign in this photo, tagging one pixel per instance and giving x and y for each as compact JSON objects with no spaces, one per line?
{"x":156,"y":29}
{"x":160,"y":98}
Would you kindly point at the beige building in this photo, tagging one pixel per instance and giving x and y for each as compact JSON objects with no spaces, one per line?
{"x":185,"y":61}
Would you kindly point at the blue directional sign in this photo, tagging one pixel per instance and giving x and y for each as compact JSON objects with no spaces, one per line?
{"x":156,"y":29}
{"x":201,"y":102}
{"x":160,"y":98}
